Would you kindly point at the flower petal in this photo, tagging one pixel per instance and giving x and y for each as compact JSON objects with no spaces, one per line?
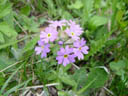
{"x":44,"y":54}
{"x":84,"y":49}
{"x":38,"y":50}
{"x":80,"y":56}
{"x":60,"y":59}
{"x":65,"y":61}
{"x":72,"y":58}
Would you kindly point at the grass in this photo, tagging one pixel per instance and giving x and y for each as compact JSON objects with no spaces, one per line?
{"x":103,"y":71}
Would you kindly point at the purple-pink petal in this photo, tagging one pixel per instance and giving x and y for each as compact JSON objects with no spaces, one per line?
{"x":80,"y":48}
{"x":80,"y":56}
{"x":66,"y":61}
{"x":65,"y":56}
{"x":72,"y":58}
{"x":38,"y":50}
{"x":84,"y":49}
{"x":43,"y":55}
{"x":60,"y":59}
{"x":49,"y":34}
{"x":42,"y":49}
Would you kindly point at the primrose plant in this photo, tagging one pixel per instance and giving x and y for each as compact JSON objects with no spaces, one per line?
{"x":66,"y":34}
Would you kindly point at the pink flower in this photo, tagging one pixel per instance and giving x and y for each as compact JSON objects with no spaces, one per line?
{"x":60,"y":42}
{"x":42,"y":49}
{"x":74,"y":30}
{"x":77,"y":27}
{"x":80,"y":48}
{"x":73,"y":33}
{"x":56,"y":24}
{"x":49,"y":34}
{"x":65,"y":56}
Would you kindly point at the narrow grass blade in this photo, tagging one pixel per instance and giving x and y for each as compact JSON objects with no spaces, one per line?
{"x":6,"y":83}
{"x":16,"y":87}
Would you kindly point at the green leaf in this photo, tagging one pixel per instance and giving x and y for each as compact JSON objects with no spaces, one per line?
{"x":87,"y":86}
{"x":66,"y":15}
{"x":77,"y":5}
{"x":51,"y":7}
{"x":1,"y":38}
{"x":17,"y":53}
{"x":100,"y":77}
{"x":65,"y":78}
{"x":9,"y":19}
{"x":5,"y":61}
{"x":68,"y":80}
{"x":97,"y":45}
{"x":30,"y":45}
{"x":80,"y":76}
{"x":7,"y":30}
{"x":12,"y":43}
{"x":5,"y":9}
{"x":118,"y":67}
{"x":2,"y":79}
{"x":96,"y":21}
{"x":30,"y":24}
{"x":87,"y":8}
{"x":26,"y":10}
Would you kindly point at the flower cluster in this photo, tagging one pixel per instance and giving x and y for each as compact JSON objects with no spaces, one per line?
{"x":67,"y":35}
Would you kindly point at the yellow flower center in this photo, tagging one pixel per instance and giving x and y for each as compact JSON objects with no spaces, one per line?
{"x":42,"y":47}
{"x":49,"y":35}
{"x":72,"y":33}
{"x":80,"y":48}
{"x":65,"y":56}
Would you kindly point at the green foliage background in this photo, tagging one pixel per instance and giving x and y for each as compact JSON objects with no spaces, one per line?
{"x":105,"y":24}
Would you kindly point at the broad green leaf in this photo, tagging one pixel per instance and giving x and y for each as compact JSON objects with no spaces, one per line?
{"x":65,"y":78}
{"x":31,"y":44}
{"x":51,"y":7}
{"x":66,"y":15}
{"x":88,"y":6}
{"x":87,"y":86}
{"x":26,"y":10}
{"x":5,"y":9}
{"x":67,"y":67}
{"x":86,"y":12}
{"x":96,"y":21}
{"x":17,"y":53}
{"x":9,"y":19}
{"x":100,"y":77}
{"x":100,"y":32}
{"x":77,"y":5}
{"x":30,"y":24}
{"x":97,"y":45}
{"x":1,"y":38}
{"x":5,"y":61}
{"x":68,"y":80}
{"x":12,"y":43}
{"x":7,"y":30}
{"x":118,"y":67}
{"x":80,"y":77}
